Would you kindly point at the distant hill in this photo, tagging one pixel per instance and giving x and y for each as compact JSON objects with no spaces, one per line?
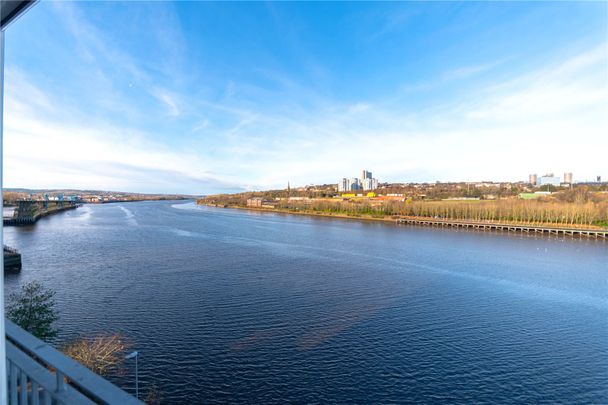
{"x":71,"y":191}
{"x":11,"y":195}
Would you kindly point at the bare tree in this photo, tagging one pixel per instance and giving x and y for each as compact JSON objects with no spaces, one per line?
{"x":102,"y":354}
{"x":154,"y":396}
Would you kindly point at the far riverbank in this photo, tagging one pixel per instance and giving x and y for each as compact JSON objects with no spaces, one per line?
{"x":364,"y":217}
{"x":591,"y":231}
{"x":135,"y":200}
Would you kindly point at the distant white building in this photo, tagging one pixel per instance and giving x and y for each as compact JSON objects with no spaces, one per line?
{"x":352,"y":184}
{"x":549,"y":179}
{"x":370,"y":184}
{"x":366,"y":182}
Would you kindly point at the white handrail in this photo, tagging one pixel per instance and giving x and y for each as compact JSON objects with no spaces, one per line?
{"x":82,"y":383}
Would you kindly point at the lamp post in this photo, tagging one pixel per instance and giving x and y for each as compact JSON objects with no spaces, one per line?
{"x":130,"y":356}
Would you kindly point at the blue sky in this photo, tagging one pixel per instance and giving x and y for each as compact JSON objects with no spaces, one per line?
{"x":193,"y":97}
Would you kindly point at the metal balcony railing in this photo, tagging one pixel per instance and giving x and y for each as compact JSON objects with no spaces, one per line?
{"x":38,"y":373}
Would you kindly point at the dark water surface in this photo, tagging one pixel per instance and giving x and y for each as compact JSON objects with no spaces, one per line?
{"x":245,"y":307}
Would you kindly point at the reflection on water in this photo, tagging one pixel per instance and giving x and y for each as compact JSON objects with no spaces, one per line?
{"x":237,"y":306}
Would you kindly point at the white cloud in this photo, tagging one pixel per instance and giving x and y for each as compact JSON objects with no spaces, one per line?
{"x":550,"y":119}
{"x":450,"y":76}
{"x":358,"y":108}
{"x":169,"y":100}
{"x":391,"y":22}
{"x":469,"y":71}
{"x":45,"y":153}
{"x":570,"y":88}
{"x":553,"y":118}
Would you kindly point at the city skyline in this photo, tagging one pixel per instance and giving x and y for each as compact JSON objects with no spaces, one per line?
{"x":153,"y":97}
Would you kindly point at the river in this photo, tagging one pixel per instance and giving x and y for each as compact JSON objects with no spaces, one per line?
{"x":248,"y":307}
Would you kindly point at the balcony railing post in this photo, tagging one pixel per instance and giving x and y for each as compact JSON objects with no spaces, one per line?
{"x":61,"y":386}
{"x":47,"y":398}
{"x":13,"y":383}
{"x":23,"y":385}
{"x":35,"y":393}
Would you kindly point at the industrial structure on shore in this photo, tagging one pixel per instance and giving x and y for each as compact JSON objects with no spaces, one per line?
{"x":568,"y":180}
{"x":550,"y":179}
{"x":12,"y":260}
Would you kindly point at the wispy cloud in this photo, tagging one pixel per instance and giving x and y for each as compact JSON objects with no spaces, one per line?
{"x":454,"y":75}
{"x":261,"y":149}
{"x":93,"y":45}
{"x":168,"y":99}
{"x":469,"y":71}
{"x":41,"y":152}
{"x":391,"y":22}
{"x":480,"y":134}
{"x":132,"y":120}
{"x":570,"y":87}
{"x":358,"y":108}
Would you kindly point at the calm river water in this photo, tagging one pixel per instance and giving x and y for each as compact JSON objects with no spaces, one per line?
{"x":245,"y":307}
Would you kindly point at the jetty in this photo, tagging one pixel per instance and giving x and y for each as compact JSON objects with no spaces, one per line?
{"x":564,"y":231}
{"x":30,"y":211}
{"x":12,"y":260}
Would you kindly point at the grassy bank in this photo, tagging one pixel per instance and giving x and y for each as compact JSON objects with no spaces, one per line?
{"x":343,"y":215}
{"x":547,"y":213}
{"x":393,"y":218}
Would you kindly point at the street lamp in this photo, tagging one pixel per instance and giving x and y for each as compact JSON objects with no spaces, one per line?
{"x":130,"y":356}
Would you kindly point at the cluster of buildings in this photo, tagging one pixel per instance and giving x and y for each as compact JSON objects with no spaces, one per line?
{"x":553,"y":180}
{"x":550,"y":179}
{"x":366,"y":182}
{"x":260,"y":202}
{"x":102,"y":197}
